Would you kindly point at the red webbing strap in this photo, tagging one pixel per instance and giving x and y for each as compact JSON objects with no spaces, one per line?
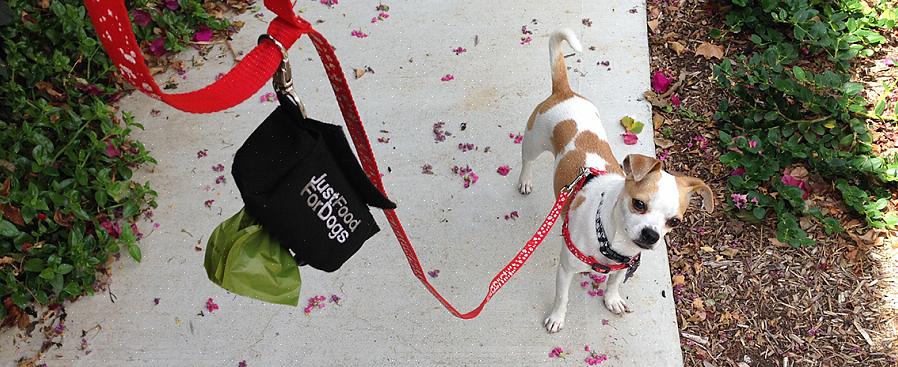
{"x":111,"y":21}
{"x":113,"y":26}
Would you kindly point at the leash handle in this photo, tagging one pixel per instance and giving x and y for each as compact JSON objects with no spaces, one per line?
{"x":113,"y":26}
{"x":111,"y":21}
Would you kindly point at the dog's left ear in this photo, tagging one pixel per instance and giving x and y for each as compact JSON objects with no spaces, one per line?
{"x":689,"y":185}
{"x":638,"y":166}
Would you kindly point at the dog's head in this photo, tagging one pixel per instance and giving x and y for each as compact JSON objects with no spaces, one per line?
{"x":653,"y":201}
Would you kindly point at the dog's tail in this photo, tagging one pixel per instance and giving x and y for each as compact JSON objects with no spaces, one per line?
{"x":556,"y":58}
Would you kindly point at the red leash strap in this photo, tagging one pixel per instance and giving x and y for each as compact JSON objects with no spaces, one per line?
{"x":113,"y":26}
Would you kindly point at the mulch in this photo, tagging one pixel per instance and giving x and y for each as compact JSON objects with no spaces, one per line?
{"x":742,"y":297}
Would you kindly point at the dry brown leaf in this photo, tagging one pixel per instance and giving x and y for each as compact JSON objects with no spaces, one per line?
{"x":63,"y":220}
{"x":44,"y":4}
{"x":678,"y":280}
{"x":655,"y":99}
{"x":359,"y":72}
{"x":653,"y":24}
{"x":658,"y":120}
{"x":677,"y":47}
{"x":799,"y":172}
{"x":4,"y":190}
{"x":6,"y":260}
{"x":730,"y":252}
{"x":776,"y":242}
{"x":663,"y":143}
{"x":709,"y":50}
{"x":46,"y":87}
{"x":12,"y":214}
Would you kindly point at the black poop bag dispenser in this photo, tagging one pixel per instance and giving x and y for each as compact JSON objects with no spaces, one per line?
{"x":301,"y":181}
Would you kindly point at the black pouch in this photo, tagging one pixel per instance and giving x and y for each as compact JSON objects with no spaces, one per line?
{"x":300,"y":179}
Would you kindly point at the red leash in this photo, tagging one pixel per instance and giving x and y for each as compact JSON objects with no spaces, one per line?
{"x":113,"y":26}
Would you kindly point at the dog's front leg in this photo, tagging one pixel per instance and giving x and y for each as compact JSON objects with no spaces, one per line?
{"x":613,"y":300}
{"x":555,"y":321}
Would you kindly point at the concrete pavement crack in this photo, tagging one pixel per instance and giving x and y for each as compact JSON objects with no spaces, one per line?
{"x":262,"y":337}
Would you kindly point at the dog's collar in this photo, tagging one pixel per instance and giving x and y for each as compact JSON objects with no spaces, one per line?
{"x":623,"y":262}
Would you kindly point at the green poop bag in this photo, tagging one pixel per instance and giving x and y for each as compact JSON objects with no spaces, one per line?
{"x":244,"y":259}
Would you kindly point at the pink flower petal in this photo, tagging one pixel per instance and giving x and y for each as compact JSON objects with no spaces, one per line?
{"x":447,"y":77}
{"x":630,"y":138}
{"x":268,"y":97}
{"x":211,"y":305}
{"x":503,"y":170}
{"x":157,"y":47}
{"x":675,"y":100}
{"x":660,"y":82}
{"x":204,"y":34}
{"x":142,"y":18}
{"x":112,"y":151}
{"x":359,"y":34}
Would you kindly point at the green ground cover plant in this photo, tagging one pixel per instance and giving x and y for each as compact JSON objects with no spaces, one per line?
{"x":68,"y":201}
{"x":793,"y":105}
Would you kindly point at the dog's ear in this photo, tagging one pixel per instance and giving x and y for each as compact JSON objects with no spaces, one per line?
{"x":638,"y":166}
{"x":689,"y":185}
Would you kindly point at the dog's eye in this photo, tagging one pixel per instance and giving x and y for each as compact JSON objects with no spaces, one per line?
{"x":639,"y":206}
{"x":673,"y":222}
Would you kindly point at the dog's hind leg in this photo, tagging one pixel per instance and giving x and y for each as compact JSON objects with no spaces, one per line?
{"x":536,"y":141}
{"x":555,"y":321}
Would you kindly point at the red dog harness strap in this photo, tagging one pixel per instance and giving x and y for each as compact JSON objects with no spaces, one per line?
{"x":589,"y":260}
{"x":110,"y":18}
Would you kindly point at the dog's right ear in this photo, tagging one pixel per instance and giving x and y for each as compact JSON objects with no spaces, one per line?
{"x":638,"y":166}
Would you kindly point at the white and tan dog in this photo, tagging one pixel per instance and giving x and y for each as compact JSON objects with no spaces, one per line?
{"x":639,"y":201}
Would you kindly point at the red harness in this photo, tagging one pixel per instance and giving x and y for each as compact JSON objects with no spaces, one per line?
{"x":566,"y":233}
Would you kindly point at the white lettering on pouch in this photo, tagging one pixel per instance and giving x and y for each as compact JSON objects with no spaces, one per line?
{"x":330,"y":206}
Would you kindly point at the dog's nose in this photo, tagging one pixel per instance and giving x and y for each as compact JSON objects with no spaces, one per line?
{"x":648,"y":236}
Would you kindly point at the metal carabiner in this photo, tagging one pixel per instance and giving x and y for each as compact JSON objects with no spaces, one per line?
{"x":283,"y":76}
{"x":570,"y":187}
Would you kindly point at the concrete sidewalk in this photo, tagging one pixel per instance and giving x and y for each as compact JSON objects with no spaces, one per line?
{"x":385,"y":316}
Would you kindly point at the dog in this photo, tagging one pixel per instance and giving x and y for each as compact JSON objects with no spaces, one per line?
{"x":634,"y":204}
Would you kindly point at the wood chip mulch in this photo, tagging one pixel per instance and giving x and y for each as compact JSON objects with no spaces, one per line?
{"x":744,"y":299}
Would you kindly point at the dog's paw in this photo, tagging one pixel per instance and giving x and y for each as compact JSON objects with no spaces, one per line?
{"x":525,"y":187}
{"x":555,"y":322}
{"x":616,"y":304}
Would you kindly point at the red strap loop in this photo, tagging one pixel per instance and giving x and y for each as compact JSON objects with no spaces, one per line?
{"x":113,"y":26}
{"x":110,"y":18}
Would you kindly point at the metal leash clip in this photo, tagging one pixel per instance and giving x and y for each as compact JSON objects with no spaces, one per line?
{"x":283,"y":76}
{"x":570,"y":187}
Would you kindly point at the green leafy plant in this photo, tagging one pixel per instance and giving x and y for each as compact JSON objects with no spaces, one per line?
{"x":786,"y":116}
{"x":67,"y":198}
